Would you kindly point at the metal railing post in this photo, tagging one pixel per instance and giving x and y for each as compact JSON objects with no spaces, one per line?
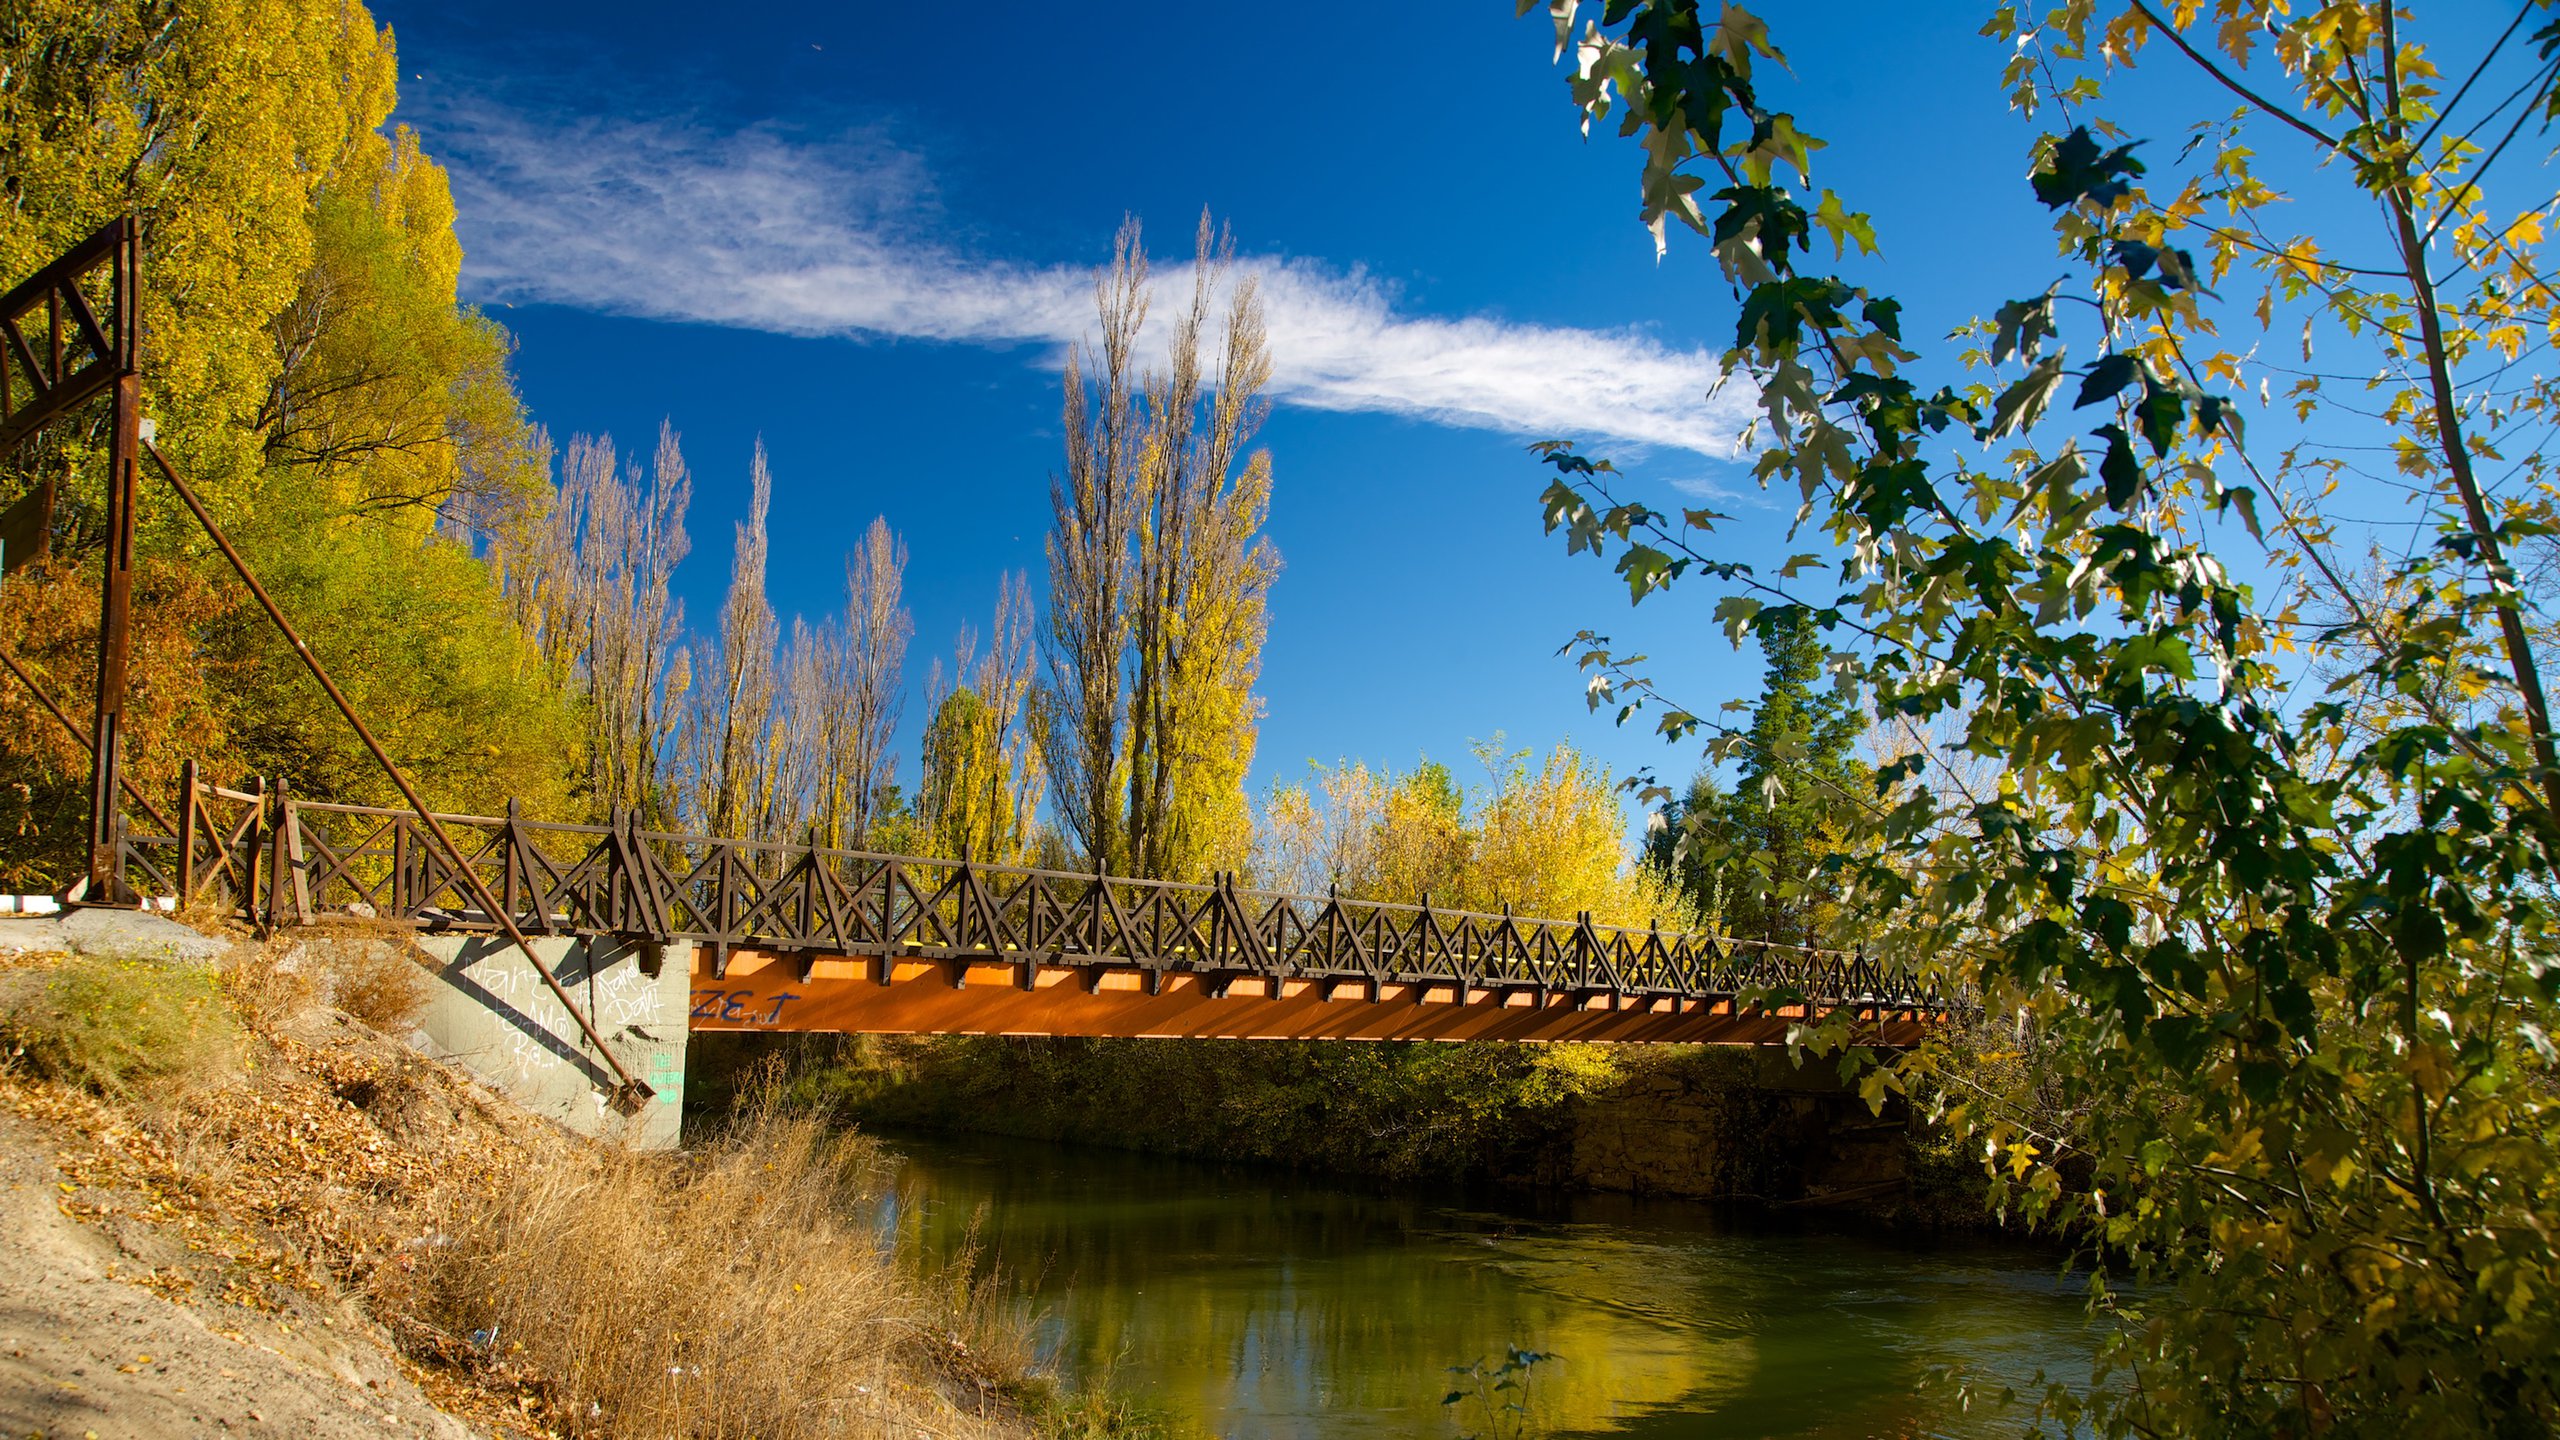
{"x":186,"y":834}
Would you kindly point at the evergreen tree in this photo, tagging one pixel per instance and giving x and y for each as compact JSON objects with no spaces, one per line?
{"x":1748,"y":860}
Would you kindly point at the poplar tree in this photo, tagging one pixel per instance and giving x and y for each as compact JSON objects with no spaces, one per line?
{"x":868,"y":693}
{"x":734,"y":752}
{"x":1159,"y":576}
{"x":1094,"y":507}
{"x":589,"y":571}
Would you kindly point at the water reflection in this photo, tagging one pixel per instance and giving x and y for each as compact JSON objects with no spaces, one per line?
{"x":1251,"y":1303}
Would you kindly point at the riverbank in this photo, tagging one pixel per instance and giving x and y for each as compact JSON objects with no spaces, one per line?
{"x":244,"y":1206}
{"x":1693,"y":1122}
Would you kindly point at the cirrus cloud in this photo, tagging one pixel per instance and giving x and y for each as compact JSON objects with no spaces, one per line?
{"x":671,"y":219}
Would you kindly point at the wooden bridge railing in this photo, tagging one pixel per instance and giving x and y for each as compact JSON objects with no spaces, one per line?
{"x":276,"y":860}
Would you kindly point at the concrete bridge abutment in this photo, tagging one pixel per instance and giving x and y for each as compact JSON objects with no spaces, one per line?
{"x":489,"y":1012}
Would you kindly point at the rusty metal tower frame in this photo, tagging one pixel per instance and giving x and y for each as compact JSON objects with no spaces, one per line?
{"x":75,"y":354}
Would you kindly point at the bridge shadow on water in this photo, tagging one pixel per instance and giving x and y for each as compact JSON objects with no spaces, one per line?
{"x":1254,"y":1302}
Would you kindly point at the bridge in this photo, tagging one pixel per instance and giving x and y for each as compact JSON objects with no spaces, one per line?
{"x":783,"y":937}
{"x":779,"y":937}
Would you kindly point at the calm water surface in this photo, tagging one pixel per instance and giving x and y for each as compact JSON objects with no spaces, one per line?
{"x":1250,"y":1303}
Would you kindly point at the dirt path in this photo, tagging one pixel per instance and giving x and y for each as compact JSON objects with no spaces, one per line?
{"x":86,"y":1350}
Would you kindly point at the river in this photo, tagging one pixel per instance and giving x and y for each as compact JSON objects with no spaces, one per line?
{"x":1248,"y":1302}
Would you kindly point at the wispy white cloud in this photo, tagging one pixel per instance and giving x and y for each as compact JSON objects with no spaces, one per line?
{"x":674,"y":220}
{"x":1714,"y":488}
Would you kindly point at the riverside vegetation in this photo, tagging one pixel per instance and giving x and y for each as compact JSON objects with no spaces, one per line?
{"x":2247,"y":811}
{"x":261,"y":1156}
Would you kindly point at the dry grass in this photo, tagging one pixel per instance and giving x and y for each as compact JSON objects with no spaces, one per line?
{"x":738,"y":1291}
{"x":381,"y":985}
{"x":264,"y":993}
{"x":368,"y":971}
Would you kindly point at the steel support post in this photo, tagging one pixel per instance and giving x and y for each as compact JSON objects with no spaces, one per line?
{"x":115,"y":640}
{"x":124,"y":472}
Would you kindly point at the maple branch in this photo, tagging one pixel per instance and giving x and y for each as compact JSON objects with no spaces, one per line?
{"x":2232,"y":85}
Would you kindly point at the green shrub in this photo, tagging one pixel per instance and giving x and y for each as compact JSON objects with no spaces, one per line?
{"x":119,"y":1026}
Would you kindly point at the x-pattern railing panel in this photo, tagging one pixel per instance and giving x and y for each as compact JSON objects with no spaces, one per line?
{"x":622,"y":880}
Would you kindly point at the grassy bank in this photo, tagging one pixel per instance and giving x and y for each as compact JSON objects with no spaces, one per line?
{"x":267,"y":1158}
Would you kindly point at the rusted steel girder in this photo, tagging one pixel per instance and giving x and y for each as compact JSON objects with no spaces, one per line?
{"x":74,"y":355}
{"x":115,"y":635}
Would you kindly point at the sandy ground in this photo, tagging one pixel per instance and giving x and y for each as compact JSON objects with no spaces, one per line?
{"x":88,"y":1350}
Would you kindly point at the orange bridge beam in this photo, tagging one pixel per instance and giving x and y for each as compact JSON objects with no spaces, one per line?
{"x":761,"y":991}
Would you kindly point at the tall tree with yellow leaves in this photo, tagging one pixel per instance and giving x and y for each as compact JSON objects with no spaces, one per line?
{"x":982,"y":775}
{"x":306,"y":361}
{"x":1159,"y":577}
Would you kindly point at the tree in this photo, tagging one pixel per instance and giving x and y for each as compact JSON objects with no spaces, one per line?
{"x":589,"y":571}
{"x":1552,"y":841}
{"x":811,"y":667}
{"x":417,"y":637}
{"x":1094,"y":508}
{"x":217,"y":124}
{"x":1158,"y":578}
{"x":1750,"y":860}
{"x":982,"y":776}
{"x":391,"y":396}
{"x":2288,"y":954}
{"x":1369,"y":834}
{"x":1203,"y":572}
{"x":638,"y":676}
{"x":863,"y":717}
{"x":734,"y":752}
{"x":1686,"y":846}
{"x":1546,"y":840}
{"x":306,"y":362}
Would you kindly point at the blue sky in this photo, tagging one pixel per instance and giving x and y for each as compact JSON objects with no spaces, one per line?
{"x":863,"y":234}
